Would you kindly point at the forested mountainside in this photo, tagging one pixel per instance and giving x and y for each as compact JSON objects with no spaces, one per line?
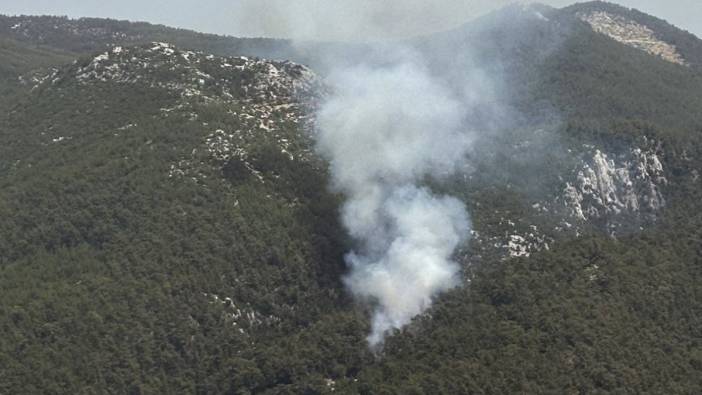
{"x":167,"y":227}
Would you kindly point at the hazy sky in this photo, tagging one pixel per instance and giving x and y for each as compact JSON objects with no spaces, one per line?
{"x":334,"y":18}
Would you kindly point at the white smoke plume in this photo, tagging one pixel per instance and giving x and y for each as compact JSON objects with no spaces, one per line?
{"x":384,"y":130}
{"x":389,"y":124}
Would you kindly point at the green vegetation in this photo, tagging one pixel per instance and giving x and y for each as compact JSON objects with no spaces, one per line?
{"x":117,"y":276}
{"x":18,"y":58}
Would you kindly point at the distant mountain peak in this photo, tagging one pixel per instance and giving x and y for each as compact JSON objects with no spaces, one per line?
{"x":639,"y":30}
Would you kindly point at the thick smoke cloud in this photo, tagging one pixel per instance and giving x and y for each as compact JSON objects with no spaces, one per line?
{"x":399,"y":120}
{"x":384,"y":129}
{"x":392,"y":121}
{"x":411,"y":264}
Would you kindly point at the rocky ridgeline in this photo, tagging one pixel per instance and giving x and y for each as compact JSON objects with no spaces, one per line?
{"x":194,"y":74}
{"x":633,"y":34}
{"x":606,"y":188}
{"x":266,"y":100}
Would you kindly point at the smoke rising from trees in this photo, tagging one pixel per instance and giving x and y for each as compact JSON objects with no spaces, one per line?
{"x":383,"y":130}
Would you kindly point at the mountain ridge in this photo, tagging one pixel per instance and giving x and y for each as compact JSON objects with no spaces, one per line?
{"x":167,"y":226}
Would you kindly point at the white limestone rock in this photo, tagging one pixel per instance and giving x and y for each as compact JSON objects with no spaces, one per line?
{"x":633,"y":34}
{"x":605,"y":188}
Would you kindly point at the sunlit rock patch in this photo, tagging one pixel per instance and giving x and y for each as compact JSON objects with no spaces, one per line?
{"x":607,"y":186}
{"x":633,"y":34}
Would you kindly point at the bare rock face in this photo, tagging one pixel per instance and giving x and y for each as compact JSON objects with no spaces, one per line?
{"x":633,"y":34}
{"x":605,"y":188}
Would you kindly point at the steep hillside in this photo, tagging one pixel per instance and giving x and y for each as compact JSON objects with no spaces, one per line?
{"x":18,"y":58}
{"x":160,"y":203}
{"x":640,"y":30}
{"x":167,"y":228}
{"x":582,"y":122}
{"x":554,"y":62}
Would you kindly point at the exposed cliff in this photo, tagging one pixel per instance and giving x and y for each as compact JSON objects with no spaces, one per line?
{"x":608,"y":187}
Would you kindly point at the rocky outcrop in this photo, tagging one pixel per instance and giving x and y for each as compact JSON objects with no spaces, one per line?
{"x":266,"y":102}
{"x":605,"y":188}
{"x":633,"y":34}
{"x":197,"y":75}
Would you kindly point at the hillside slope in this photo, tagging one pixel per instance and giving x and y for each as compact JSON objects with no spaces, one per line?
{"x":158,"y":205}
{"x":167,"y":228}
